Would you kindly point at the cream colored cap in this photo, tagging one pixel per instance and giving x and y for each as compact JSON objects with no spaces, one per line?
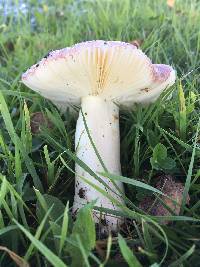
{"x":114,"y":70}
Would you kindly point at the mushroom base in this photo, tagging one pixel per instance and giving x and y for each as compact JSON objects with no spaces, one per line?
{"x":102,"y":119}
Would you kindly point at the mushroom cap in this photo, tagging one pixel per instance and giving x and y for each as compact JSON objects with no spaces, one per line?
{"x":114,"y":70}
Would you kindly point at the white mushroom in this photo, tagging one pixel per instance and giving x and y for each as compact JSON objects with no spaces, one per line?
{"x":98,"y":76}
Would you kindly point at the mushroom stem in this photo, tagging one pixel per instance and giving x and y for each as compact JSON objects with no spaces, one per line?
{"x":102,"y":119}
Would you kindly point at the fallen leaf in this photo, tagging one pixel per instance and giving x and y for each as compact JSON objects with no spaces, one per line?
{"x":169,"y":186}
{"x":39,"y":120}
{"x":17,"y":259}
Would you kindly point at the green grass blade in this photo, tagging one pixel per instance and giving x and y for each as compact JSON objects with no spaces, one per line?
{"x":127,"y":253}
{"x":46,"y":252}
{"x":132,"y":182}
{"x":64,"y":229}
{"x":183,"y":258}
{"x":182,"y":113}
{"x":37,"y":234}
{"x":189,"y":175}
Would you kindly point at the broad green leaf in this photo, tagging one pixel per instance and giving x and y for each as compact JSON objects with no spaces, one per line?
{"x":167,"y":164}
{"x":159,"y":152}
{"x":56,"y":230}
{"x":84,"y":228}
{"x":160,"y":161}
{"x":152,"y":138}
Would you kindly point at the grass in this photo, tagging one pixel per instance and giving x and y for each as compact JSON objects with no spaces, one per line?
{"x":37,"y":179}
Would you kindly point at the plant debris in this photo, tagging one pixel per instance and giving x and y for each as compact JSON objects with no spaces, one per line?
{"x":174,"y":190}
{"x":39,"y":120}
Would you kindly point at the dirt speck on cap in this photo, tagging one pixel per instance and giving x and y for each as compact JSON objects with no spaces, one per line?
{"x":81,"y":193}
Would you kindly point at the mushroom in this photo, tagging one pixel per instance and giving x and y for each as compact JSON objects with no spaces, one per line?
{"x":99,"y":76}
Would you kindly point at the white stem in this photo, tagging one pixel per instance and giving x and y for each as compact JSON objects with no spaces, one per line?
{"x":102,"y":119}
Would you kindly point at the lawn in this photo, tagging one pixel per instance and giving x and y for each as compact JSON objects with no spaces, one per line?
{"x":37,"y":227}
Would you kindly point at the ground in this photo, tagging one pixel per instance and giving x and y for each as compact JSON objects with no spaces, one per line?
{"x":36,"y":191}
